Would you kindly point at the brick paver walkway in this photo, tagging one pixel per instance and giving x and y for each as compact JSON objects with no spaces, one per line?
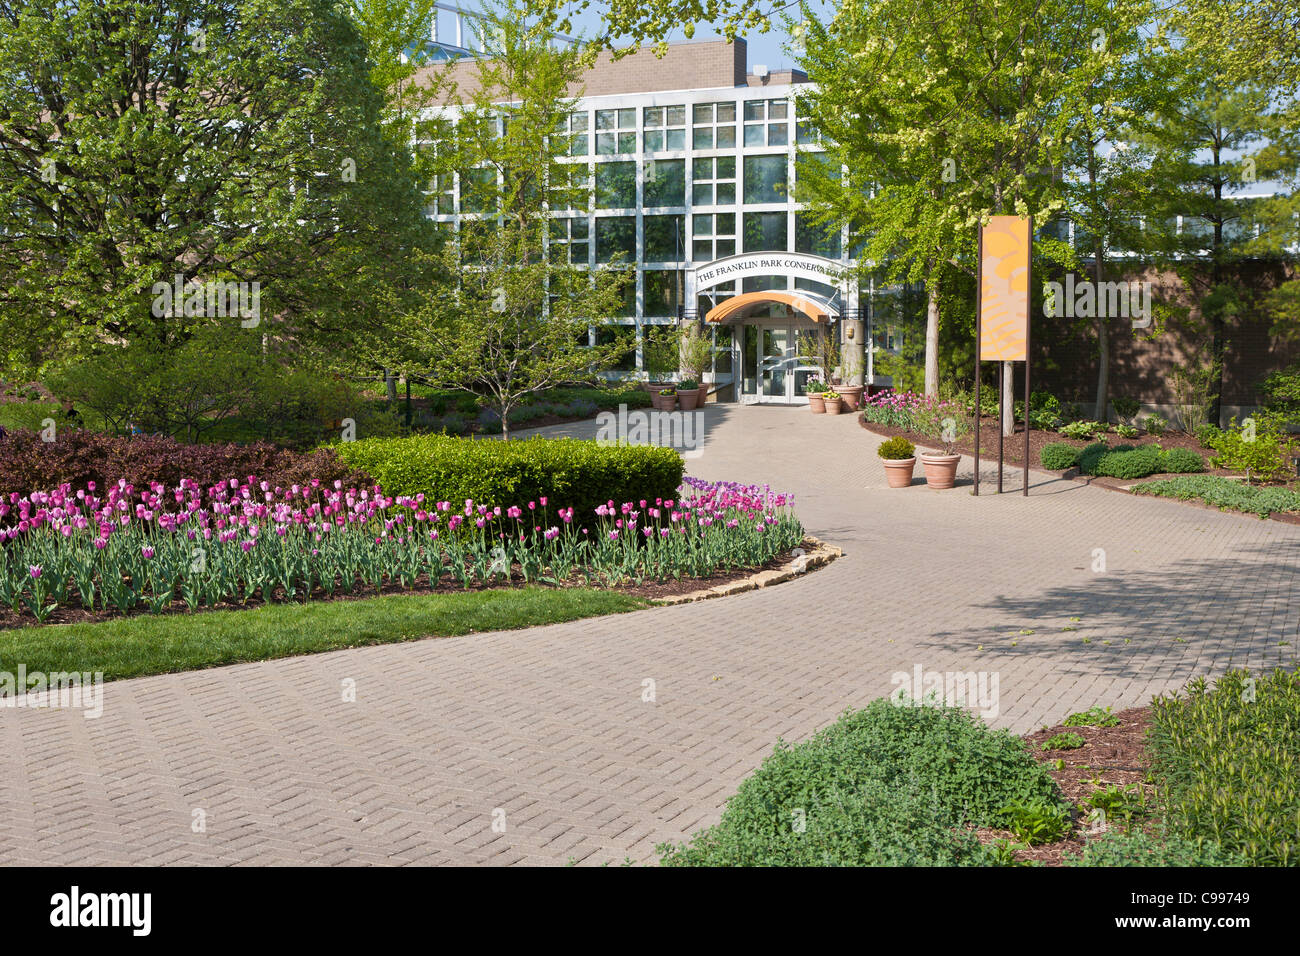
{"x":546,"y":730}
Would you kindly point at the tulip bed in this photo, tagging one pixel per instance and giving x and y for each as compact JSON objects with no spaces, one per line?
{"x":129,"y":549}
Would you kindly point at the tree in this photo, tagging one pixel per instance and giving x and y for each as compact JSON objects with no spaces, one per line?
{"x":234,"y":140}
{"x":515,"y":320}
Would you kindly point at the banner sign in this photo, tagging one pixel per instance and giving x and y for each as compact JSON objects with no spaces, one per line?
{"x":1004,"y":290}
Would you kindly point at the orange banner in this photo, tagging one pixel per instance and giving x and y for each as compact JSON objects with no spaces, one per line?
{"x":1004,"y":290}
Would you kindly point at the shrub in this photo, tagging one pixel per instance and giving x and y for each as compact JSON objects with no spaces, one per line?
{"x":1224,"y":494}
{"x":583,"y":474}
{"x":1260,"y":452}
{"x":1226,"y":761}
{"x":1059,"y":456}
{"x":1089,"y":457}
{"x":1206,"y":434}
{"x":1126,"y":408}
{"x":1126,"y":431}
{"x":1038,"y":821}
{"x":897,"y":448}
{"x":1115,"y":848}
{"x":1177,"y":461}
{"x":886,"y":785}
{"x":1129,"y":464}
{"x":1081,"y":430}
{"x":28,"y":464}
{"x":1155,"y":425}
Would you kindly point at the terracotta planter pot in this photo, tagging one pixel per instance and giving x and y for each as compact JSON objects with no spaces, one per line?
{"x":851,"y":395}
{"x":688,"y":399}
{"x":704,"y":395}
{"x":665,"y":403}
{"x":816,"y":405}
{"x":898,"y":471}
{"x":833,"y":406}
{"x":940,"y":470}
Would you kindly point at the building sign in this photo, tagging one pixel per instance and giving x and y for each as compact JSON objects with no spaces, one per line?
{"x":1004,"y":289}
{"x":769,"y":264}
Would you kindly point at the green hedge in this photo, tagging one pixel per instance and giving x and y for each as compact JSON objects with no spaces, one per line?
{"x":1124,"y":461}
{"x":572,"y":474}
{"x":887,"y":785}
{"x":1226,"y":761}
{"x":1059,"y":456}
{"x":1135,"y":848}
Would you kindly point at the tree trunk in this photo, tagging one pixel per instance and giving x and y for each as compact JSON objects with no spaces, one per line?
{"x":1009,"y":390}
{"x":932,"y":339}
{"x":1103,"y":346}
{"x":390,"y":383}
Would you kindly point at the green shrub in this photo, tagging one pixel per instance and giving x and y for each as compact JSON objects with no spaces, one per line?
{"x":897,"y":448}
{"x":887,"y":785}
{"x":1265,"y":455}
{"x":1038,"y":821}
{"x":1126,"y":431}
{"x":1128,"y":464}
{"x":1226,"y":764}
{"x":1116,"y":848}
{"x":576,"y":474}
{"x":1081,"y":430}
{"x":1155,"y":425}
{"x":1089,"y":457}
{"x":1178,"y":461}
{"x":1206,"y":434}
{"x":1126,"y":408}
{"x":1059,"y":456}
{"x":1225,"y":494}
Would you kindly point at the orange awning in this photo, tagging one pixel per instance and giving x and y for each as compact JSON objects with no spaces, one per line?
{"x":816,"y":308}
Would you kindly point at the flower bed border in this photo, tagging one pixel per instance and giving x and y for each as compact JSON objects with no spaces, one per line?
{"x":819,"y":554}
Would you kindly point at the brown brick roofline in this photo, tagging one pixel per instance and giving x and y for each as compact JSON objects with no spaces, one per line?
{"x":694,"y":65}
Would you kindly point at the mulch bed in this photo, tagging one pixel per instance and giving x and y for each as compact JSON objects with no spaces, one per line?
{"x":649,"y":590}
{"x":1112,"y":756}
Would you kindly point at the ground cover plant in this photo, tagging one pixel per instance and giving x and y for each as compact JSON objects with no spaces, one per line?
{"x":121,"y":549}
{"x":1226,"y":494}
{"x":892,"y":784}
{"x":1226,"y":760}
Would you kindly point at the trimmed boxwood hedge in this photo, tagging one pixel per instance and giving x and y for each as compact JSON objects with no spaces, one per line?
{"x":1123,"y":461}
{"x":572,"y":474}
{"x":1059,"y":456}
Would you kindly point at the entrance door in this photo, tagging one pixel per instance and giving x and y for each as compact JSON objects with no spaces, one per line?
{"x":785,"y":359}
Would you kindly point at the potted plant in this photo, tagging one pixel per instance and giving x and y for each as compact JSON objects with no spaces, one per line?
{"x":814,"y":388}
{"x":659,"y":356}
{"x":688,"y":394}
{"x":946,"y":423}
{"x":697,"y":358}
{"x":850,"y":369}
{"x":831,"y":399}
{"x":899,"y":456}
{"x":666,"y":399}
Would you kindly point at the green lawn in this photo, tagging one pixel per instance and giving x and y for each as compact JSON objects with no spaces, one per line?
{"x":147,"y":644}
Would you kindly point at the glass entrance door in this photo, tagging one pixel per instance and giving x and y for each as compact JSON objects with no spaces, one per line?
{"x":785,"y":359}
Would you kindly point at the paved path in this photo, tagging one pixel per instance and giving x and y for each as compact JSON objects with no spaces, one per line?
{"x":547,"y":728}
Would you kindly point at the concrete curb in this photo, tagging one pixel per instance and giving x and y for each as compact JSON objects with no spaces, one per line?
{"x":816,"y":554}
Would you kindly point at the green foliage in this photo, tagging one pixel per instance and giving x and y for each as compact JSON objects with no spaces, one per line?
{"x":1262,"y":451}
{"x":1177,"y":461}
{"x":1064,"y":741}
{"x":1089,"y":457}
{"x":1092,"y":717}
{"x":1135,"y":463}
{"x":1206,"y":435}
{"x":1136,"y":848}
{"x":1126,"y":408}
{"x":1059,"y":456}
{"x":1226,"y":763}
{"x":1038,"y":821}
{"x":1081,"y":430}
{"x":1126,"y":431}
{"x":897,"y":448}
{"x":1155,"y":425}
{"x":1120,"y":806}
{"x":578,"y":474}
{"x":1225,"y":494}
{"x":886,"y":785}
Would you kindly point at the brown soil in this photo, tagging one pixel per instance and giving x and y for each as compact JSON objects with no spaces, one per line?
{"x":1111,"y":756}
{"x":648,"y":590}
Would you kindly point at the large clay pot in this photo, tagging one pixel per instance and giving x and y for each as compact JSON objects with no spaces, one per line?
{"x":817,"y":404}
{"x":833,"y":405}
{"x":665,"y":403}
{"x":940,"y":470}
{"x":704,"y":395}
{"x":851,"y":396}
{"x":688,"y":399}
{"x":898,"y":471}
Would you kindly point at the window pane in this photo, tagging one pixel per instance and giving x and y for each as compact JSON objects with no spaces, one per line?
{"x":654,"y":116}
{"x":702,"y":169}
{"x":726,"y":223}
{"x":665,"y":238}
{"x":702,"y":194}
{"x":814,"y":239}
{"x":754,"y":110}
{"x":662,"y":292}
{"x":605,"y":144}
{"x":702,"y":226}
{"x":577,"y":122}
{"x":605,"y":119}
{"x":726,"y":112}
{"x":776,"y":109}
{"x":765,"y":232}
{"x":615,"y":234}
{"x":627,"y":119}
{"x":726,"y":194}
{"x":703,"y":112}
{"x":654,"y":140}
{"x":627,"y":142}
{"x":756,"y":135}
{"x":578,"y":145}
{"x":677,"y":116}
{"x":778,"y":135}
{"x":726,"y":167}
{"x":726,"y":137}
{"x":677,"y":139}
{"x":615,"y":185}
{"x":726,"y":247}
{"x":702,"y":250}
{"x":665,"y":182}
{"x":703,"y":138}
{"x":765,"y":179}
